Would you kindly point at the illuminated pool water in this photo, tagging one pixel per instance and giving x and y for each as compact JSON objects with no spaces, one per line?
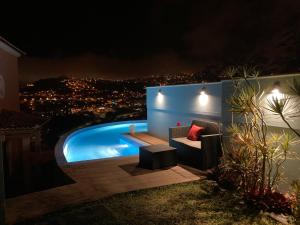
{"x":103,"y":141}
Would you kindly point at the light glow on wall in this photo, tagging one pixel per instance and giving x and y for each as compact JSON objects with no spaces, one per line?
{"x":160,"y":97}
{"x":203,"y":97}
{"x":275,"y":93}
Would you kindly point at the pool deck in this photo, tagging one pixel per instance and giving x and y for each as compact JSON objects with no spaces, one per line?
{"x":146,"y":137}
{"x":95,"y":180}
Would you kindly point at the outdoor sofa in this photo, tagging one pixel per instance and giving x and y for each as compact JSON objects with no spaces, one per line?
{"x":202,"y":154}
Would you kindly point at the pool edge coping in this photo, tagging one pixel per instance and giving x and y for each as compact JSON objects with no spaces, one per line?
{"x":59,"y":147}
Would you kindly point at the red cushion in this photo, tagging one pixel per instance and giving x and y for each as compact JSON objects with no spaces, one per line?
{"x":195,"y":132}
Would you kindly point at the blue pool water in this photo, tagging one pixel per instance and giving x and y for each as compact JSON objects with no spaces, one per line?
{"x":103,"y":141}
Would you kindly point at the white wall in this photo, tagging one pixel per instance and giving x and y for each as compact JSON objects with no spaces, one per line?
{"x":275,"y":123}
{"x":266,"y":84}
{"x":181,"y":103}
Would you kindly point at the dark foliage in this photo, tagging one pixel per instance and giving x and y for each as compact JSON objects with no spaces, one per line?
{"x":270,"y":201}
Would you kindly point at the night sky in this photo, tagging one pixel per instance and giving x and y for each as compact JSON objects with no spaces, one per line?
{"x":124,"y":39}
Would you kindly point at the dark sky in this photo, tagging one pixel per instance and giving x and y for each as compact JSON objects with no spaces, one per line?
{"x":122,"y":39}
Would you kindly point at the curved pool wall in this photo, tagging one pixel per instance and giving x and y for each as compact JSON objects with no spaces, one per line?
{"x":103,"y":141}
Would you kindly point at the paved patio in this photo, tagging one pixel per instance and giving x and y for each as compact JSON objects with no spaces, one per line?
{"x":95,"y":180}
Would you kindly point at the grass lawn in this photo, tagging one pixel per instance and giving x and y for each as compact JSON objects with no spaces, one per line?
{"x":187,"y":203}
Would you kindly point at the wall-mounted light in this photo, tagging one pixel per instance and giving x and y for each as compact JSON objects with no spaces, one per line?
{"x":276,"y":87}
{"x":203,"y":97}
{"x":203,"y":91}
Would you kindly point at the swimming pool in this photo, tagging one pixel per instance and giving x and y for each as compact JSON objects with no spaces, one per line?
{"x":103,"y":141}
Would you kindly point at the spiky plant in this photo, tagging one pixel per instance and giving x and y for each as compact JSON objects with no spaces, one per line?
{"x":287,"y":107}
{"x":285,"y":110}
{"x":254,"y":153}
{"x":295,"y":87}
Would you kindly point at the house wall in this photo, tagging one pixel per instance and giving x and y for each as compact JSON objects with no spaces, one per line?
{"x":181,"y":103}
{"x":2,"y":189}
{"x":9,"y":82}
